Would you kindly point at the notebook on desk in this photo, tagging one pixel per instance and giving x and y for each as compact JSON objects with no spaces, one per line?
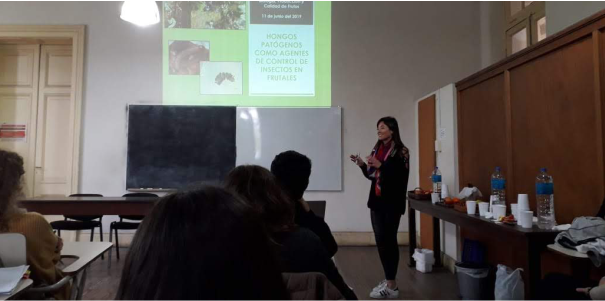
{"x":9,"y":278}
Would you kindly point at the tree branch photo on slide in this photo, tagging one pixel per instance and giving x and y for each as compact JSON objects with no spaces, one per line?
{"x":230,"y":15}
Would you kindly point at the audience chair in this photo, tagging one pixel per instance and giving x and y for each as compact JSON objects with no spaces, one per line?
{"x":81,"y":222}
{"x":132,"y":223}
{"x":13,"y":253}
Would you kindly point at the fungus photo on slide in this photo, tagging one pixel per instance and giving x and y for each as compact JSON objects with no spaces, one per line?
{"x":185,"y":56}
{"x":221,"y":78}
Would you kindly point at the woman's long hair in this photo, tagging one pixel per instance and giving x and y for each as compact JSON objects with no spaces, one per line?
{"x":11,"y":171}
{"x":392,"y":124}
{"x":205,"y":243}
{"x":260,"y":188}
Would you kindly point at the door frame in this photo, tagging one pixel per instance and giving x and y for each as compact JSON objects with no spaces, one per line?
{"x":77,"y":35}
{"x":425,"y":220}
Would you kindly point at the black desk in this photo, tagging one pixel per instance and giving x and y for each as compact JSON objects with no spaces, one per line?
{"x":59,"y":205}
{"x":531,"y":241}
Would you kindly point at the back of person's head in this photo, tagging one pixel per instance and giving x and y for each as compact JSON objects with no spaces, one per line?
{"x":11,"y":171}
{"x":258,"y":186}
{"x":292,"y":170}
{"x":202,"y":244}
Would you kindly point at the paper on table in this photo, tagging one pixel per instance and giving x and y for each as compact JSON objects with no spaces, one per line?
{"x":9,"y":278}
{"x":470,"y":193}
{"x":564,"y":227}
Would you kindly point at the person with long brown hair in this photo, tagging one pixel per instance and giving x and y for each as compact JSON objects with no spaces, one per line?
{"x":301,"y":250}
{"x":388,"y":168}
{"x":205,"y":243}
{"x":42,"y":245}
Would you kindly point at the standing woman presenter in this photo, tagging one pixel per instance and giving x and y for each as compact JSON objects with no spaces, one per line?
{"x":388,"y":168}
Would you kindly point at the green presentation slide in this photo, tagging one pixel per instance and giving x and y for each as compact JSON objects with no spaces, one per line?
{"x":238,"y":53}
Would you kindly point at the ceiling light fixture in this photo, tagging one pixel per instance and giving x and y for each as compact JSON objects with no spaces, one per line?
{"x":140,"y":12}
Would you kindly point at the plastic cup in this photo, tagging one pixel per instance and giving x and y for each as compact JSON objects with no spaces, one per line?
{"x":499,"y":211}
{"x":513,"y":210}
{"x":434,"y":198}
{"x":526,"y":218}
{"x":483,"y":208}
{"x":523,"y":202}
{"x":471,"y":207}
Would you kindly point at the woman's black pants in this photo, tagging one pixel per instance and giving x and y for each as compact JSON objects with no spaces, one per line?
{"x":385,"y":224}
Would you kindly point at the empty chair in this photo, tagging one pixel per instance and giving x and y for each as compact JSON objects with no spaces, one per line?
{"x":12,"y":250}
{"x":81,"y":222}
{"x":13,"y":253}
{"x":132,"y":223}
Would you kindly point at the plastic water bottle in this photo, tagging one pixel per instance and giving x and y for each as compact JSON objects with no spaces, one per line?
{"x":436,"y":179}
{"x":545,"y":198}
{"x":499,"y":187}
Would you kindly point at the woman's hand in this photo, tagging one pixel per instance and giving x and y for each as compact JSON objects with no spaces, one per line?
{"x":373,"y":162}
{"x":357,"y":160}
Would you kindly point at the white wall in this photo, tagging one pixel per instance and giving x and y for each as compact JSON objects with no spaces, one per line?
{"x":561,"y":14}
{"x":384,"y":56}
{"x":447,"y":158}
{"x":491,"y":18}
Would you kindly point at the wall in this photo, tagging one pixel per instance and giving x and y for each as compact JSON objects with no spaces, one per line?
{"x":385,"y":55}
{"x":447,"y":159}
{"x":491,"y":20}
{"x":561,"y":14}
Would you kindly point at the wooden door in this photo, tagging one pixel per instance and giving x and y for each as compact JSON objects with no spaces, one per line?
{"x":19,"y":66}
{"x":55,"y":131}
{"x":427,"y":129}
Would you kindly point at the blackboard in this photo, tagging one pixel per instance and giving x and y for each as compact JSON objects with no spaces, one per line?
{"x":171,"y":147}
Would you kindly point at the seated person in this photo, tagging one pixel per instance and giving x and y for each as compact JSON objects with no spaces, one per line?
{"x":292,"y":171}
{"x":42,"y":245}
{"x":205,"y":243}
{"x":301,"y":250}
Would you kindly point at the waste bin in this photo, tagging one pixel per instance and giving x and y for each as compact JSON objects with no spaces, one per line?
{"x":424,"y":260}
{"x":474,"y":282}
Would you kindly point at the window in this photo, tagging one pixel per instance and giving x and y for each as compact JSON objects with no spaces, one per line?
{"x":518,"y":37}
{"x":519,"y":40}
{"x":525,"y":24}
{"x":541,"y":29}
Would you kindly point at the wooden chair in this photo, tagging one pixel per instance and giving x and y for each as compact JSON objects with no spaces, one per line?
{"x":132,"y":223}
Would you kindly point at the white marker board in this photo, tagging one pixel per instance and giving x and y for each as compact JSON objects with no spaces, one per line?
{"x":262,"y":133}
